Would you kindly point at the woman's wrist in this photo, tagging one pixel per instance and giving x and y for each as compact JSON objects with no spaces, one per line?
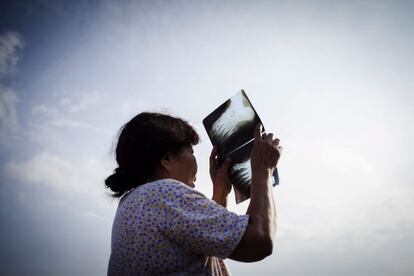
{"x":220,"y":196}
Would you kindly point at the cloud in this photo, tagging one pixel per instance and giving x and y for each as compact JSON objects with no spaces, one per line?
{"x":9,"y":124}
{"x":42,"y":109}
{"x":70,"y":114}
{"x":68,"y":104}
{"x":83,"y":176}
{"x":10,"y":44}
{"x":81,"y":101}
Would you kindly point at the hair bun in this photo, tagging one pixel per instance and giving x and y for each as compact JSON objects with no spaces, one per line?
{"x":118,"y":182}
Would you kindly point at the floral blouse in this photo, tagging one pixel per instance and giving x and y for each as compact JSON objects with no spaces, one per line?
{"x":165,"y":227}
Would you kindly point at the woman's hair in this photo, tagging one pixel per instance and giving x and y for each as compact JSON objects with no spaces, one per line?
{"x":142,"y":143}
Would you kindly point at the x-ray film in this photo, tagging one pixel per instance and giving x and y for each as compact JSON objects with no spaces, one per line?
{"x":231,"y":127}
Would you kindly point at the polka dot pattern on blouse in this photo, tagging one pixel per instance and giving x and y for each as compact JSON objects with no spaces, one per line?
{"x":165,"y":227}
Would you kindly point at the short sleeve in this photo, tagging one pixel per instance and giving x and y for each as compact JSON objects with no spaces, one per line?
{"x":191,"y":220}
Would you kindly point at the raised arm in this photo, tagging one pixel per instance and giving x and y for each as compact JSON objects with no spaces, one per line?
{"x":258,"y":239}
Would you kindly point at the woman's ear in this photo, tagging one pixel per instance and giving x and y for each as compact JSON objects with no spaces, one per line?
{"x":166,"y":162}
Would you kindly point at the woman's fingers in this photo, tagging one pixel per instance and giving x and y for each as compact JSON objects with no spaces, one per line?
{"x":213,"y":156}
{"x":280,"y":148}
{"x":257,"y":131}
{"x":276,"y":142}
{"x":269,"y":138}
{"x":266,"y":137}
{"x":266,"y":150}
{"x":225,"y":166}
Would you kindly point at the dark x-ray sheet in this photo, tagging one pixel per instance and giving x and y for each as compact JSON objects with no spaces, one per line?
{"x":231,"y":127}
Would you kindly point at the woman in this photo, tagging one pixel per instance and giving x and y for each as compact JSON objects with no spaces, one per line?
{"x":164,"y":226}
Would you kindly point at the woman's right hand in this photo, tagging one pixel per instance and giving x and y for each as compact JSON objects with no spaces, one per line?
{"x":266,"y":151}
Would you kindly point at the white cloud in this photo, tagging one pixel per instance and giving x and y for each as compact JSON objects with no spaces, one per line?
{"x":68,"y":104}
{"x":42,"y":109}
{"x":67,"y":123}
{"x":9,"y":124}
{"x":77,"y":102}
{"x":10,"y":44}
{"x":84,"y":176}
{"x":68,"y":112}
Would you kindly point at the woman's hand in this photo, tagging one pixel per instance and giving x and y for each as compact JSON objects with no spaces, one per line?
{"x":219,"y":177}
{"x":266,"y":151}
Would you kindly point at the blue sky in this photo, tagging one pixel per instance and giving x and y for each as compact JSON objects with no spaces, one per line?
{"x":333,"y":80}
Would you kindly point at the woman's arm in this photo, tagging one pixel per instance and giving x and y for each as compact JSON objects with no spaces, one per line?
{"x":258,"y":239}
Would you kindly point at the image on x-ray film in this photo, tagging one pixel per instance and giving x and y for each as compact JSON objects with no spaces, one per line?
{"x":231,"y":127}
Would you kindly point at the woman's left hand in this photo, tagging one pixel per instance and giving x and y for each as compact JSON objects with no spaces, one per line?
{"x":221,"y":182}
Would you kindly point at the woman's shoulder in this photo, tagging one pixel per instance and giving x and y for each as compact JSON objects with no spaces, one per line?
{"x":166,"y":186}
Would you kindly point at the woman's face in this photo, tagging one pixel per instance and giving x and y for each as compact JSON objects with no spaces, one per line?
{"x":184,"y":166}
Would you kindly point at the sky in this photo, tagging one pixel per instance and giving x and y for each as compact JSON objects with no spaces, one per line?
{"x":332,"y":79}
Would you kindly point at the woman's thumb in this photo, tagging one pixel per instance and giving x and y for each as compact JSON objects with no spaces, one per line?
{"x":226,"y":165}
{"x":257,"y":131}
